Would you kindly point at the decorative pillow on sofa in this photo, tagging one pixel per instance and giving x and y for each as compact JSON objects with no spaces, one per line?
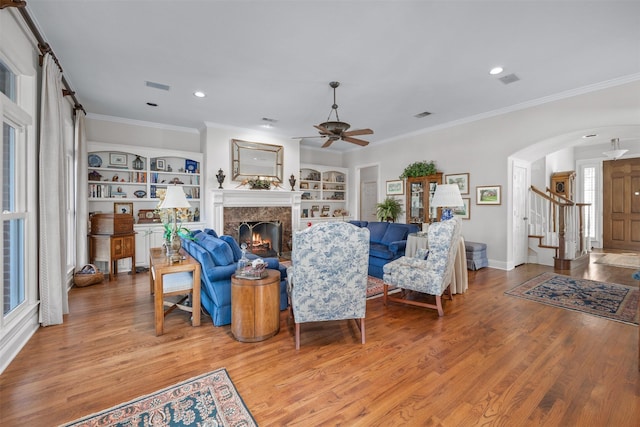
{"x":219,"y":250}
{"x":235,"y":248}
{"x":422,"y":253}
{"x":211,"y":232}
{"x":395,"y":233}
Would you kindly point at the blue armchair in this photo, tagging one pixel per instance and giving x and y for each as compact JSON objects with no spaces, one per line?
{"x":328,"y":275}
{"x":428,"y":272}
{"x":218,"y":257}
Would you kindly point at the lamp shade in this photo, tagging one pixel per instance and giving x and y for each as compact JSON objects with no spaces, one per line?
{"x":447,"y":196}
{"x":175,"y":198}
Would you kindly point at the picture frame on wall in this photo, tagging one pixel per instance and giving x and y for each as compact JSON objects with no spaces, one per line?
{"x":123,"y":208}
{"x":395,"y":187}
{"x":463,"y":212}
{"x":117,"y":159}
{"x":489,"y":195}
{"x":461,"y":179}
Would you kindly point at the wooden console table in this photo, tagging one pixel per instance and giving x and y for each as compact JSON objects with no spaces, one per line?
{"x":255,"y":307}
{"x":173,"y":278}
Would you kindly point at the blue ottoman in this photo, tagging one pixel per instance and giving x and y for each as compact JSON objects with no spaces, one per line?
{"x":476,"y":255}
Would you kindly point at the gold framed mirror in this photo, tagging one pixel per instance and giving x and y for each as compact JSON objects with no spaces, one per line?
{"x":255,"y":159}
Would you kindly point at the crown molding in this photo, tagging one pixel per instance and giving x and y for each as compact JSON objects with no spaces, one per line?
{"x":133,"y":122}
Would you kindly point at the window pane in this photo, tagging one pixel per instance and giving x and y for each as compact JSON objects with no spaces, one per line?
{"x":589,"y":196}
{"x":8,"y":168}
{"x":13,"y":264}
{"x":7,"y":82}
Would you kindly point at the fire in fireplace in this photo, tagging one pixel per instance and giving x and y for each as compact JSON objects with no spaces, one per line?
{"x":263,"y":238}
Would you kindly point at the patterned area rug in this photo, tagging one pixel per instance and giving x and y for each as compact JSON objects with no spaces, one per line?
{"x":375,"y":289}
{"x":608,"y":300}
{"x":628,"y":260}
{"x":206,"y":400}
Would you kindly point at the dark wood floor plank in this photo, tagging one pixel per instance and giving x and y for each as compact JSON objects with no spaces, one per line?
{"x":491,"y":360}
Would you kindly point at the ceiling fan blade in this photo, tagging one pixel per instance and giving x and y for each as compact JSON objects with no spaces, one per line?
{"x":360,"y":142}
{"x":358,"y":132}
{"x":323,"y":130}
{"x":328,"y":143}
{"x":309,"y":137}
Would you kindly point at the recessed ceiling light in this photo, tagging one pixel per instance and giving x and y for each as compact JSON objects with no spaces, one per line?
{"x":496,"y":70}
{"x":152,"y":104}
{"x":199,"y":94}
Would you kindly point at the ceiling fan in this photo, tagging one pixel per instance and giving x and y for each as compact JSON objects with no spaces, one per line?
{"x":335,"y":130}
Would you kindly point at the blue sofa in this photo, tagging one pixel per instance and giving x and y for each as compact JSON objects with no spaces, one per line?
{"x":218,"y":256}
{"x":387,"y":241}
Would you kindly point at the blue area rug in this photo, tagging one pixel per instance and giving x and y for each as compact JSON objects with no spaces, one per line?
{"x":207,"y":400}
{"x":607,"y":300}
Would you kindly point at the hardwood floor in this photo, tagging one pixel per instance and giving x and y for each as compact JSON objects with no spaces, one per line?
{"x":491,"y":360}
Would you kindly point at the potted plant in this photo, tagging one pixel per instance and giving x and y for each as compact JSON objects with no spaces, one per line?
{"x":422,"y":168}
{"x":388,"y":210}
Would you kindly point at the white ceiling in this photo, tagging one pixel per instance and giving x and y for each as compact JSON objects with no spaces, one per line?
{"x":275,"y":59}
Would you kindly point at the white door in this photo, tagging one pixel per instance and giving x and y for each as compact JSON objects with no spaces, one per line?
{"x":520,"y":229}
{"x":368,"y":200}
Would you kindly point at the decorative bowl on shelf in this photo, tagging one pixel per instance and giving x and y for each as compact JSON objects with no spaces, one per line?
{"x":95,"y":161}
{"x":140,"y":194}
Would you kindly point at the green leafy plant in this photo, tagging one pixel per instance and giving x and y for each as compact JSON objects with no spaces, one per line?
{"x":422,"y":168}
{"x":259,"y":184}
{"x":388,"y":210}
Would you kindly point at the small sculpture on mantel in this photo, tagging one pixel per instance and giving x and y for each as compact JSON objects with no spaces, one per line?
{"x":292,"y":182}
{"x":221,"y":176}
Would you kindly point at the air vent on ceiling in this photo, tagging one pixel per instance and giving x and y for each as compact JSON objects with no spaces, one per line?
{"x":423,"y":114}
{"x":266,"y":119}
{"x":157,"y":85}
{"x":509,"y":78}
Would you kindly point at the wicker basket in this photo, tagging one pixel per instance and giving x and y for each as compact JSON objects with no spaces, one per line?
{"x":88,"y":275}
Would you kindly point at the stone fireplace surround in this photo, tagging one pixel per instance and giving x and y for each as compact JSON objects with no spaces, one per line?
{"x":232,"y":207}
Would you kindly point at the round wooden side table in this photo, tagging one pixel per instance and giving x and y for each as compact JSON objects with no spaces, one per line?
{"x":255,"y":307}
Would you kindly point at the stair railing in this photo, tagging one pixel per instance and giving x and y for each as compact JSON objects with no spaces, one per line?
{"x":558,"y":222}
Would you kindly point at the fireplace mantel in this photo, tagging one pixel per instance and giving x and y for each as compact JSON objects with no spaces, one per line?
{"x":255,"y":198}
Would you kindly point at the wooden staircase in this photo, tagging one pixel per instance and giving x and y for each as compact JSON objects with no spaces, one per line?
{"x":556,"y":230}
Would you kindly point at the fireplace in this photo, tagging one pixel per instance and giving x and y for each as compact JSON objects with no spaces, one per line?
{"x":263,"y":238}
{"x":231,"y":208}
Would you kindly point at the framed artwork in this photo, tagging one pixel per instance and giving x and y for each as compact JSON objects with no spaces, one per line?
{"x":464,"y":212}
{"x":123,"y":208}
{"x":305,"y":213}
{"x":117,"y":159}
{"x":304,"y":185}
{"x":395,"y":188}
{"x":488,"y":195}
{"x":462,"y":179}
{"x":161,"y":164}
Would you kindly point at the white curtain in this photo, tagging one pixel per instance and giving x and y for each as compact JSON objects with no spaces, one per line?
{"x":80,"y":141}
{"x":52,"y":229}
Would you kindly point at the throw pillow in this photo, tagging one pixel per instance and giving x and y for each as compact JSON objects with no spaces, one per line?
{"x":237,"y":252}
{"x":422,"y":253}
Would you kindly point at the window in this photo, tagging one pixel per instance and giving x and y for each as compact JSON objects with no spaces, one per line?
{"x":13,"y":283}
{"x":7,"y":82}
{"x":589,"y":190}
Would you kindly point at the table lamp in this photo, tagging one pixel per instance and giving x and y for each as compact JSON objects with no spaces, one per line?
{"x":175,"y":199}
{"x":447,"y":196}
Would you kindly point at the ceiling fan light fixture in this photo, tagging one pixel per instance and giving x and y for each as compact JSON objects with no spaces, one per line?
{"x":335,"y":126}
{"x":616,"y":152}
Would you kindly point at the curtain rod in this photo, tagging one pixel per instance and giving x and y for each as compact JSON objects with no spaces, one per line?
{"x":43,"y":46}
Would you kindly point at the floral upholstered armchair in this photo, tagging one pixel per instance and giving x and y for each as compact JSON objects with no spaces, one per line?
{"x":429,"y":272}
{"x":328,"y":275}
